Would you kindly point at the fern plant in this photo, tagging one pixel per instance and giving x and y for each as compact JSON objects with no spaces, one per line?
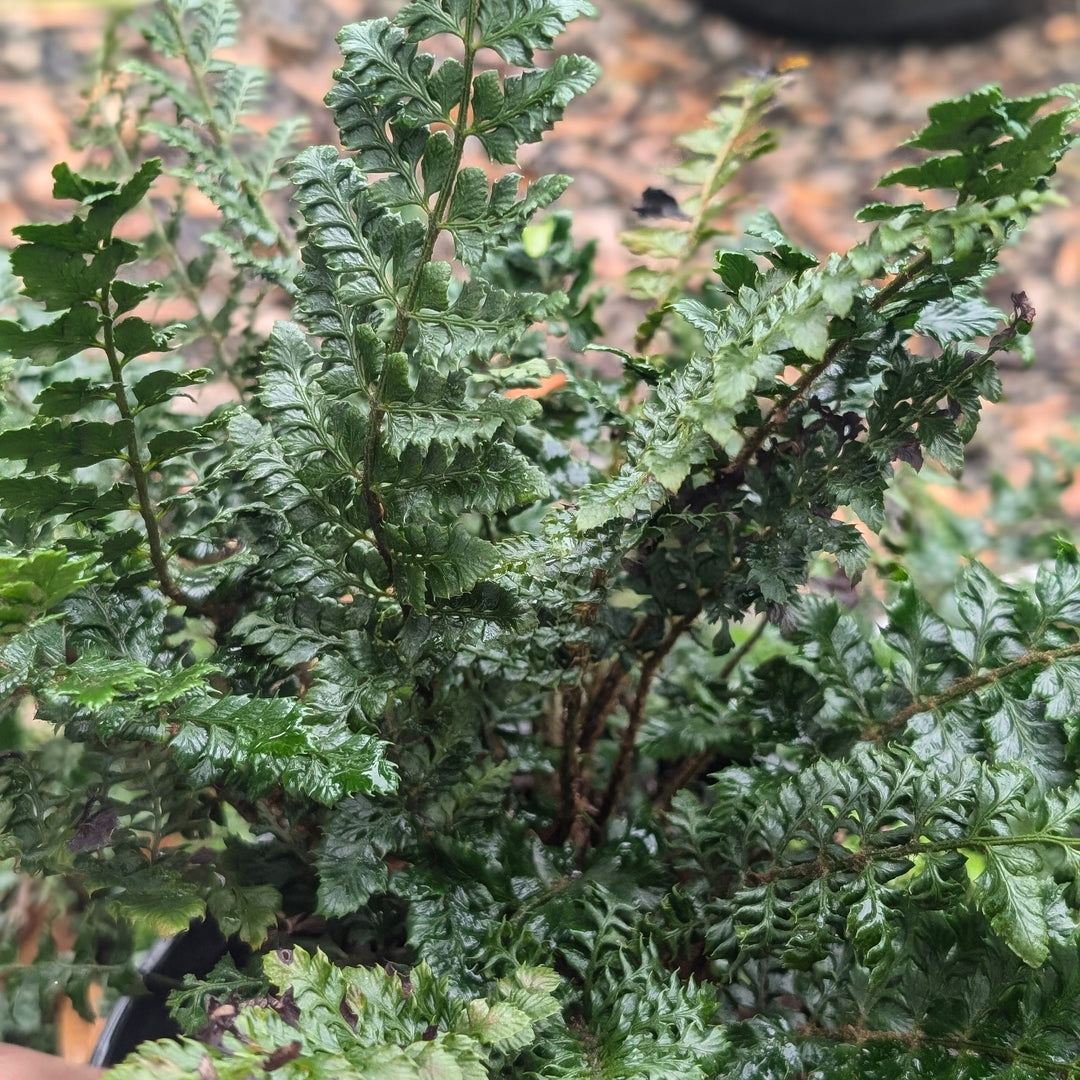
{"x":506,"y":726}
{"x":179,"y":95}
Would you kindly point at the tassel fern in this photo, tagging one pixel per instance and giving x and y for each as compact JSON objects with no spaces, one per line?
{"x":505,"y":722}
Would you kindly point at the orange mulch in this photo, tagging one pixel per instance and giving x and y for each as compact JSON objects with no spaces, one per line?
{"x":664,"y":62}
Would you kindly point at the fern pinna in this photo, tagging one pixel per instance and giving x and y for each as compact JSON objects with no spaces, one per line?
{"x":527,"y":715}
{"x":394,"y":421}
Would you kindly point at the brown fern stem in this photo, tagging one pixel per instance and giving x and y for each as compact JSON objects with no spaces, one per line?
{"x":599,"y":707}
{"x":969,"y":685}
{"x":570,"y":778}
{"x":147,"y":510}
{"x":690,"y":768}
{"x":778,"y":415}
{"x":407,"y":306}
{"x":620,"y":771}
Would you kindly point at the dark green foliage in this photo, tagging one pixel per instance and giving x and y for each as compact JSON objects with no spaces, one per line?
{"x":507,"y":723}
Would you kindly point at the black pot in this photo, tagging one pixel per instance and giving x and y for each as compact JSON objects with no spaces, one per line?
{"x":880,"y":20}
{"x":144,"y":1017}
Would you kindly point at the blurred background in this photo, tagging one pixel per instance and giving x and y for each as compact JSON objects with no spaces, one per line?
{"x":872,"y":69}
{"x":839,"y":122}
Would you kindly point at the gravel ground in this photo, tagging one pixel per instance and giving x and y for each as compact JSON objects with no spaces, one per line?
{"x":664,"y":61}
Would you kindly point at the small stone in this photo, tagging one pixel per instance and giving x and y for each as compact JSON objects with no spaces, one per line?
{"x":724,"y":41}
{"x":1062,"y":29}
{"x":20,"y":53}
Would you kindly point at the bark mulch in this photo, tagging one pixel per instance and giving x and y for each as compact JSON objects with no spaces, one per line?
{"x":664,"y":62}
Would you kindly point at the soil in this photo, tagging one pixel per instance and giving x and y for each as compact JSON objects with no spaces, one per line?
{"x":839,"y":119}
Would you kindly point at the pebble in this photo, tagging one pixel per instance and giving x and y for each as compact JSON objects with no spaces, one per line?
{"x":20,"y":52}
